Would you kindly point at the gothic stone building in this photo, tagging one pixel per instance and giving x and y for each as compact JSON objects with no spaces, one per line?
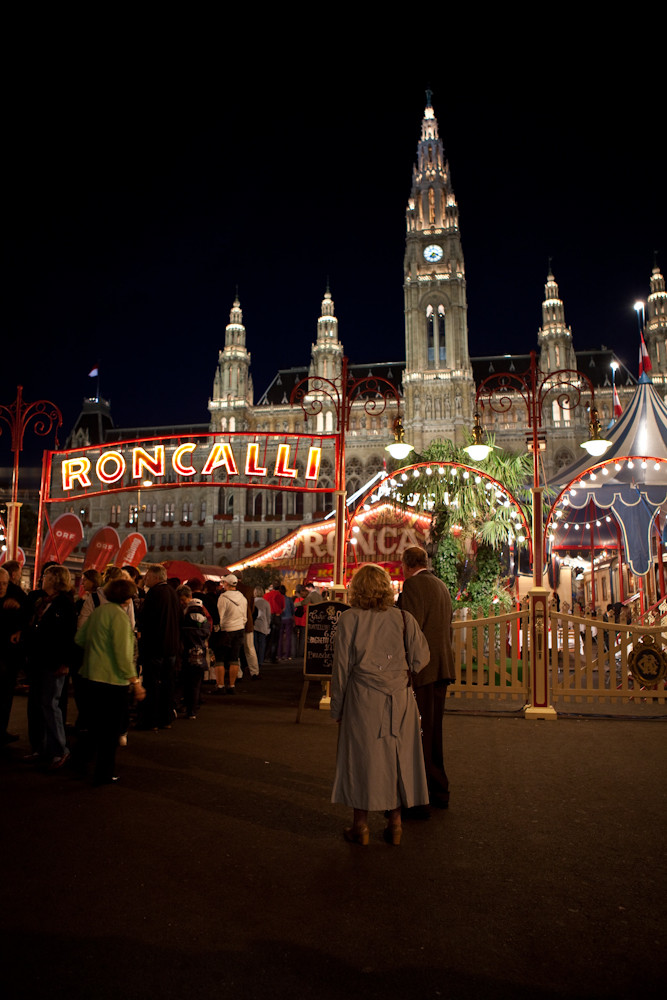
{"x":437,"y":382}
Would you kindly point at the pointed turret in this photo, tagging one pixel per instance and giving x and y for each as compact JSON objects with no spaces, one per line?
{"x":232,"y":397}
{"x":554,"y":337}
{"x":327,"y":352}
{"x":656,"y":322}
{"x":432,"y":201}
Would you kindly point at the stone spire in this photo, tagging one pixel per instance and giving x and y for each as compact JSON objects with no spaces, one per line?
{"x":327,"y":352}
{"x":232,"y":396}
{"x":656,"y":322}
{"x":554,"y":337}
{"x":432,"y":202}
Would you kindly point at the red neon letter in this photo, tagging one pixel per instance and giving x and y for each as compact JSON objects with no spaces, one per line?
{"x":75,"y":468}
{"x":221,"y":454}
{"x":183,"y":470}
{"x":313,"y":463}
{"x":102,"y":474}
{"x":154,"y":464}
{"x":282,"y":462}
{"x":251,"y":460}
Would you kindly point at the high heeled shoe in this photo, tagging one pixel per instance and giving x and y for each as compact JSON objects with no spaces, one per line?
{"x":357,"y":835}
{"x":392,"y":835}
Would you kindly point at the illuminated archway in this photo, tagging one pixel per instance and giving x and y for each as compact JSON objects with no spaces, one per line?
{"x":439,"y":468}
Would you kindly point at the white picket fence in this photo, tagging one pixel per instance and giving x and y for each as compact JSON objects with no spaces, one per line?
{"x":588,"y":659}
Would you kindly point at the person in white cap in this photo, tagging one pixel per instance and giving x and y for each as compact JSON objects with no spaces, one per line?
{"x":233,"y":611}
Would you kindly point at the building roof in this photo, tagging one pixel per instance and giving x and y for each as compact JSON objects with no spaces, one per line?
{"x":594,"y":363}
{"x":280,"y":389}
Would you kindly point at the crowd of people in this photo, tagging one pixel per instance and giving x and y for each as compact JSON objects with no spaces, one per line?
{"x":129,"y":647}
{"x":139,"y":648}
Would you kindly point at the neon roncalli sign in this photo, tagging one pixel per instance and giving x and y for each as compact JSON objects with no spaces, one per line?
{"x":242,"y":460}
{"x":286,"y":461}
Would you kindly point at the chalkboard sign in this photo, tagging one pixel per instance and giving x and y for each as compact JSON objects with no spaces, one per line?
{"x":321,"y":623}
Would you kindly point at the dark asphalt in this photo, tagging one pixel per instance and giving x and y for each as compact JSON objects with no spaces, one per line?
{"x":216,"y":866}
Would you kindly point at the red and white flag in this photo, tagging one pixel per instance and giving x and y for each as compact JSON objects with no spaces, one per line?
{"x":618,"y":409}
{"x":645,"y":363}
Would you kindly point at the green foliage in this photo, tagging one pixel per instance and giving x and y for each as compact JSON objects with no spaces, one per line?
{"x":256,"y":576}
{"x":467,"y":500}
{"x":485,"y":587}
{"x":447,"y":562}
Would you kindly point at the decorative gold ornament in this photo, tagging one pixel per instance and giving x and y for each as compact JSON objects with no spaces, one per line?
{"x":647,"y":662}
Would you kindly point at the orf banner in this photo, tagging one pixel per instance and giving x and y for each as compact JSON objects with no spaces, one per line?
{"x":132,"y":551}
{"x":102,"y":549}
{"x":64,"y":534}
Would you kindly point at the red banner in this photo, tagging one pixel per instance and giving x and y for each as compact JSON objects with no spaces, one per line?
{"x":102,"y":549}
{"x":132,"y":551}
{"x":64,"y":535}
{"x":20,"y":556}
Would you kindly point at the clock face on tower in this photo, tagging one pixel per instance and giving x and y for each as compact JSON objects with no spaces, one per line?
{"x":432,"y":253}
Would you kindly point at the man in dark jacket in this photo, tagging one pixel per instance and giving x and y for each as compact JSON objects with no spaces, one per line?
{"x":159,"y":646}
{"x":427,"y":599}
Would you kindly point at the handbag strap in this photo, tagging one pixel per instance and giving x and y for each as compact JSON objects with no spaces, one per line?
{"x":405,"y":647}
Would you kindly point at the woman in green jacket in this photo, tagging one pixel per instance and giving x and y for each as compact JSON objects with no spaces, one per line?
{"x":107,"y":671}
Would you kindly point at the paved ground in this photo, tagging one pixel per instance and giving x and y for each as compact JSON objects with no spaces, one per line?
{"x":216,"y":866}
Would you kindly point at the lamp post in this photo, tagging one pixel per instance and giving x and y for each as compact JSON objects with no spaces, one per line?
{"x":534,"y":386}
{"x":18,"y":415}
{"x":314,"y":393}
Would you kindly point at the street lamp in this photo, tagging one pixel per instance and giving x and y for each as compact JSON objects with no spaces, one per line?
{"x":399,"y":448}
{"x":17,"y":416}
{"x":341,"y":392}
{"x":534,"y":386}
{"x":478,"y":451}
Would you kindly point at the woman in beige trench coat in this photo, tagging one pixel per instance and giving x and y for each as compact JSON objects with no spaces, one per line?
{"x":379,"y":763}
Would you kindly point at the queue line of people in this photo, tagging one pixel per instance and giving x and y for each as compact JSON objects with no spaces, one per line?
{"x":123,"y":646}
{"x":390,"y":747}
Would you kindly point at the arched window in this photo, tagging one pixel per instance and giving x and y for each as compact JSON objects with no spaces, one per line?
{"x":562,"y":459}
{"x":430,"y":333}
{"x":373,"y":465}
{"x":442,"y":344}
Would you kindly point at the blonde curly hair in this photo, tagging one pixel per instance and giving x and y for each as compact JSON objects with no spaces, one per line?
{"x":61,"y":577}
{"x":371,"y":589}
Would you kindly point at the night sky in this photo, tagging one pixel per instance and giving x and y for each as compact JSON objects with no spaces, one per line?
{"x":141,"y":191}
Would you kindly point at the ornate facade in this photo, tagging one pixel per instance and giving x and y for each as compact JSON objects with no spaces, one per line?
{"x":437,"y":382}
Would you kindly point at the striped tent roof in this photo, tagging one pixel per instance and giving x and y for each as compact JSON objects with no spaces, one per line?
{"x":631,"y":485}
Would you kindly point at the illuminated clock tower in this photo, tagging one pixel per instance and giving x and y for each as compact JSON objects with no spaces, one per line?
{"x":438,"y":381}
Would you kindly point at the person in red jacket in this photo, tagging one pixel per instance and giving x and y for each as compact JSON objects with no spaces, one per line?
{"x":277,"y":604}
